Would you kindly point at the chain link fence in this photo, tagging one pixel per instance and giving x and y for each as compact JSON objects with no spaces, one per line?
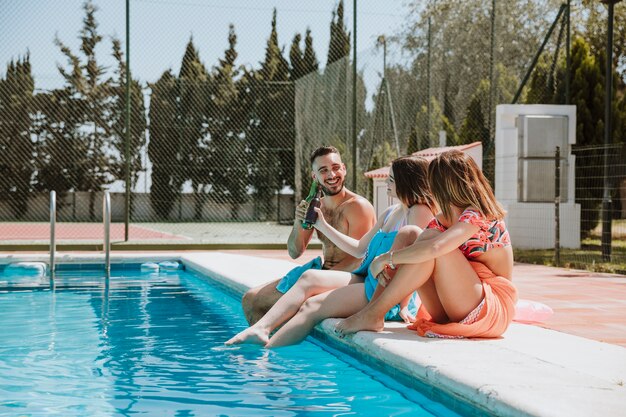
{"x":218,"y":152}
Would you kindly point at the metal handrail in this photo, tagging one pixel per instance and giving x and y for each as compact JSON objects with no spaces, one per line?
{"x":106,"y":215}
{"x":53,"y":224}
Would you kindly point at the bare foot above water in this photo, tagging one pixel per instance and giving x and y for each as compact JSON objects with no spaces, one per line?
{"x":253,"y":334}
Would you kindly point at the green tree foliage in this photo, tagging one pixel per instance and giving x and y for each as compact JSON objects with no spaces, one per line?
{"x":295,"y":58}
{"x":87,"y":98}
{"x":593,"y":25}
{"x":272,"y":143}
{"x":227,"y":122}
{"x":307,"y":83}
{"x":506,"y":84}
{"x":413,"y":142}
{"x":542,"y":85}
{"x":164,"y":136}
{"x":309,"y":59}
{"x":193,"y":145}
{"x":402,"y":85}
{"x":61,"y":148}
{"x":475,"y":126}
{"x":338,"y":87}
{"x":383,"y":154}
{"x":16,"y":146}
{"x":587,"y":94}
{"x":302,"y":62}
{"x":118,"y":119}
{"x":457,"y":61}
{"x":339,"y":46}
{"x":429,"y":126}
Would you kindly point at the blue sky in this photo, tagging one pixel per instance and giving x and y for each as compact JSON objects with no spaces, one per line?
{"x":160,"y":30}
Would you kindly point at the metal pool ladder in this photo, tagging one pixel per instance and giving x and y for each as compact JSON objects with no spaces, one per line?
{"x":106,"y":215}
{"x":53,"y":224}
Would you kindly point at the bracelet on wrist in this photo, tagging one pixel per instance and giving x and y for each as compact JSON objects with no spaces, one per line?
{"x":390,"y":263}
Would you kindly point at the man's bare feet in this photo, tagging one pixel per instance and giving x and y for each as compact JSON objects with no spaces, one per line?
{"x":359,"y":321}
{"x":253,"y":334}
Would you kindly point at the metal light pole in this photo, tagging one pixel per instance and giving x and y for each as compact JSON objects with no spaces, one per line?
{"x":568,"y":58}
{"x":127,"y":127}
{"x":354,"y":74}
{"x":608,"y":82}
{"x":428,"y":88}
{"x":492,"y":86}
{"x":382,"y":41}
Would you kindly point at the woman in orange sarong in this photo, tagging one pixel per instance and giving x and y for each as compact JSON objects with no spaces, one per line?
{"x":461,"y":265}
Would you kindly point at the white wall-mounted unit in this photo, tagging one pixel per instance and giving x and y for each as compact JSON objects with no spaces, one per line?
{"x":526,"y":140}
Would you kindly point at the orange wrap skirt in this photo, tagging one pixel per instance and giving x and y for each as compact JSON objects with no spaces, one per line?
{"x":496,"y":311}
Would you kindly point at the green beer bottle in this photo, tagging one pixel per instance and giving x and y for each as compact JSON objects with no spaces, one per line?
{"x":314,"y":200}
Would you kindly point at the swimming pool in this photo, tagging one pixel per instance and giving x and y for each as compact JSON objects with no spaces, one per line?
{"x":146,"y":343}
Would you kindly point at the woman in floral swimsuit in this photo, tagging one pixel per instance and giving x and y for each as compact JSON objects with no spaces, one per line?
{"x":461,"y":265}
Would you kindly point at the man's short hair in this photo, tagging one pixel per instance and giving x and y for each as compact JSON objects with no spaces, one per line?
{"x":323,"y":150}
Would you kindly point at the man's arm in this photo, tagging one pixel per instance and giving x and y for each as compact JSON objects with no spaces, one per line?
{"x":361,"y":218}
{"x":299,"y":237}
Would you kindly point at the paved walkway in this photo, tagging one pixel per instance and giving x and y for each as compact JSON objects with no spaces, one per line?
{"x":586,"y":304}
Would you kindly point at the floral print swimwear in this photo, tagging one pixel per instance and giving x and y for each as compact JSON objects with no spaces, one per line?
{"x":491,"y":233}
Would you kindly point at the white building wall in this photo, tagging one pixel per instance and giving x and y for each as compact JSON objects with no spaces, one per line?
{"x":532,"y":225}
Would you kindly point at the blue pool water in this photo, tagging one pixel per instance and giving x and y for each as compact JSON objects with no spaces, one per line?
{"x":152,"y":344}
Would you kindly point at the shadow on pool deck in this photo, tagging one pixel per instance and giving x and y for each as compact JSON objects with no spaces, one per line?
{"x":585,"y":304}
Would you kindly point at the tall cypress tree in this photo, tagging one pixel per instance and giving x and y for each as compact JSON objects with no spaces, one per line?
{"x":273,"y":140}
{"x":164,"y":135}
{"x":302,"y":62}
{"x":339,"y":46}
{"x":227,"y":125}
{"x":118,"y":119}
{"x":475,"y":127}
{"x":88,"y":102}
{"x":274,"y":67}
{"x":588,"y":93}
{"x":295,"y":58}
{"x":309,"y":59}
{"x":61,"y":148}
{"x":337,"y":90}
{"x":194,"y":91}
{"x":16,"y":148}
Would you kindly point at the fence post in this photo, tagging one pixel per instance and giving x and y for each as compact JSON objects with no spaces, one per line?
{"x":608,"y":128}
{"x":354,"y":104}
{"x":127,"y":128}
{"x":557,"y":206}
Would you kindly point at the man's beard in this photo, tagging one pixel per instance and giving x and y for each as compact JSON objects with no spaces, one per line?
{"x":330,"y":192}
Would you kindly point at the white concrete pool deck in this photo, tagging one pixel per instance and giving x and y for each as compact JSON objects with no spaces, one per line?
{"x":530,"y":371}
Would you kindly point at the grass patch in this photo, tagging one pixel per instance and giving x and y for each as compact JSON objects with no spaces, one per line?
{"x":588,"y":257}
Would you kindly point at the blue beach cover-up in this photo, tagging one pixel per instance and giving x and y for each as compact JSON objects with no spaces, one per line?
{"x":381,"y":243}
{"x":292,"y":276}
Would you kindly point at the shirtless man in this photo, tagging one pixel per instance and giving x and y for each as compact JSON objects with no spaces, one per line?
{"x":346,"y":211}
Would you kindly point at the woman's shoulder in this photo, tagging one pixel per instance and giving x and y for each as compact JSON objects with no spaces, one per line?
{"x":389,"y":213}
{"x":475,"y":217}
{"x":420,"y":215}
